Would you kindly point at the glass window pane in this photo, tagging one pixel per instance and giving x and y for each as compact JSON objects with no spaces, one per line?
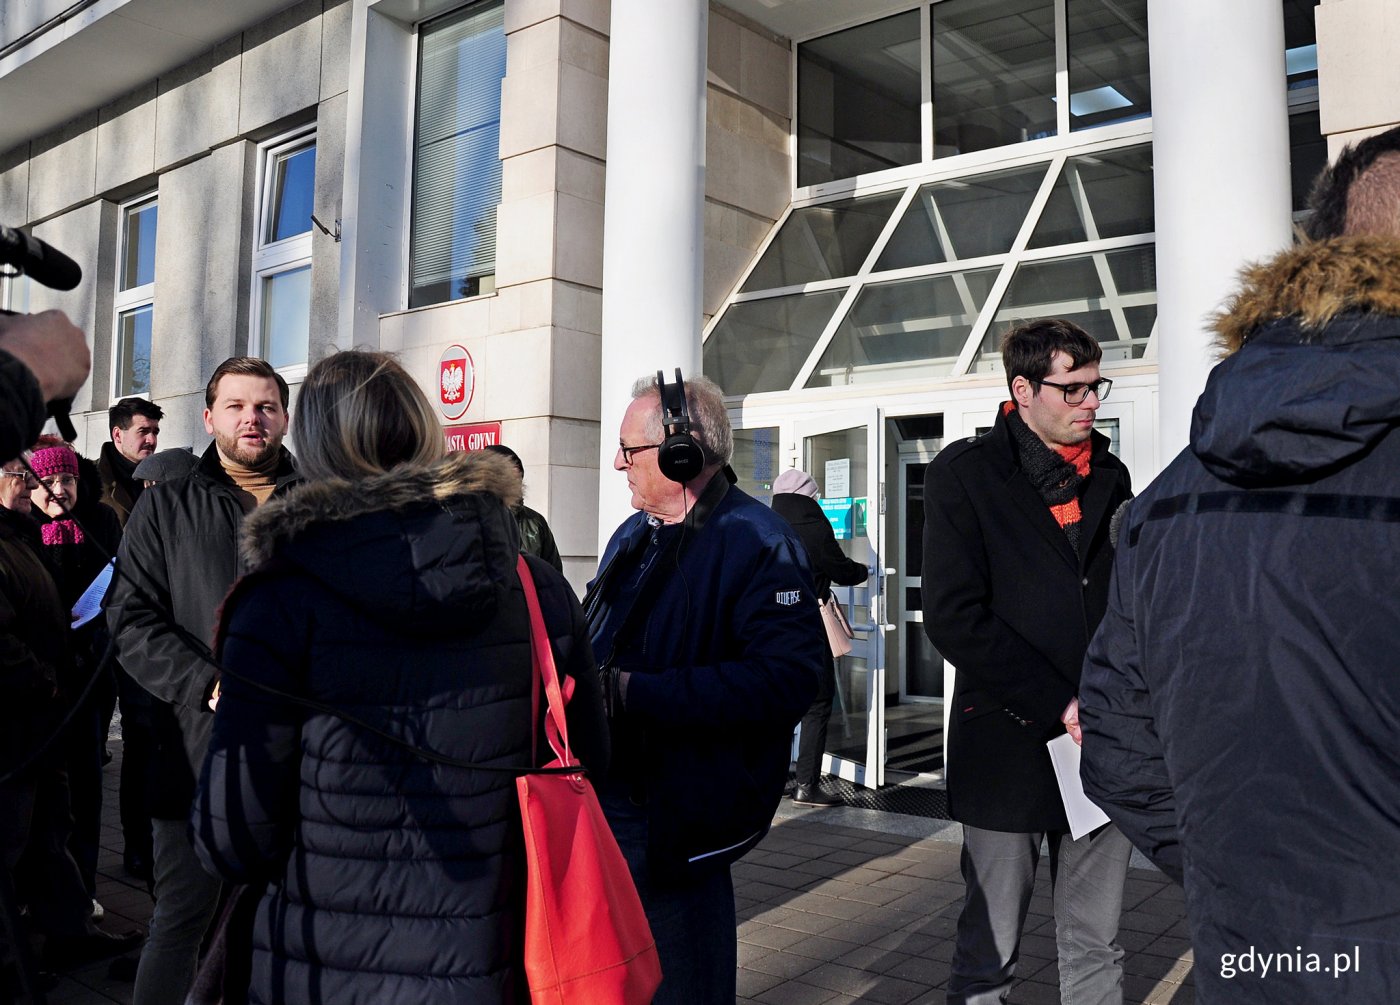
{"x":1300,"y":42}
{"x":286,"y":316}
{"x":1108,"y":72}
{"x":1100,"y":196}
{"x":952,"y":220}
{"x":1308,"y":154}
{"x":1111,"y":295}
{"x":993,"y":73}
{"x":822,"y":242}
{"x":858,"y":98}
{"x":134,"y":351}
{"x":756,"y":460}
{"x":139,"y":246}
{"x":760,"y":345}
{"x":910,"y":328}
{"x":293,"y":194}
{"x":457,"y":163}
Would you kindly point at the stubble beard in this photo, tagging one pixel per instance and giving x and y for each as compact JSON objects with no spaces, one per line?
{"x":229,"y":446}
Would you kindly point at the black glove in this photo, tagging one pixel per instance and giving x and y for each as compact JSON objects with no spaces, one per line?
{"x":614,"y":683}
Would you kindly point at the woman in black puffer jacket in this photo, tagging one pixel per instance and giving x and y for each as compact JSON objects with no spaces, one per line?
{"x":386,"y":587}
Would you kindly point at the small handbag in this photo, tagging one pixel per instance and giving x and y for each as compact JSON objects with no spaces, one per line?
{"x":587,"y":941}
{"x":838,"y":629}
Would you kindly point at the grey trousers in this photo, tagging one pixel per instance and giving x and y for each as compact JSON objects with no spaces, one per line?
{"x":186,"y":898}
{"x":1086,"y":879}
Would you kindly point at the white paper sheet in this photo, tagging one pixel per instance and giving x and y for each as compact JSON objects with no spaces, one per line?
{"x":89,"y":605}
{"x":1083,"y":815}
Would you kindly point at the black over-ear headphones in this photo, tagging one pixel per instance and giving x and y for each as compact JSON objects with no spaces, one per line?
{"x":680,"y":457}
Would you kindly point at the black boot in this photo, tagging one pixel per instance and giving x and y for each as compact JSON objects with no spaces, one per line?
{"x":812,"y":795}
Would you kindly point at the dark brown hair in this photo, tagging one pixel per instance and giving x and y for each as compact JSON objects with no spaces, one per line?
{"x":244,"y":366}
{"x":1026,"y":351}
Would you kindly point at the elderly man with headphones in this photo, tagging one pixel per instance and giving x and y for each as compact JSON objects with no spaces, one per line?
{"x":704,"y":620}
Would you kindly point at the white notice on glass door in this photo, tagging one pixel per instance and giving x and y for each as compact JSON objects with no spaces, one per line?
{"x":838,"y":478}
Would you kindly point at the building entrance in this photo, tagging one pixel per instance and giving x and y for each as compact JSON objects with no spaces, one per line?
{"x":869,"y":458}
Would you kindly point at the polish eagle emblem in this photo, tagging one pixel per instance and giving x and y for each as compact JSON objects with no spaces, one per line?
{"x":453,"y":380}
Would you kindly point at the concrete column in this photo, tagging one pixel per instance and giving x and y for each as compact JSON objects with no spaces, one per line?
{"x":653,"y":237}
{"x":1220,"y":152}
{"x":378,"y":133}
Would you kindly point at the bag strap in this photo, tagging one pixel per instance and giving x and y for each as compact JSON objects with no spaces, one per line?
{"x":556,"y":727}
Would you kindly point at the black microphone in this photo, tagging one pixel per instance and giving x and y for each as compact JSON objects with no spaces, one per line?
{"x":37,"y":260}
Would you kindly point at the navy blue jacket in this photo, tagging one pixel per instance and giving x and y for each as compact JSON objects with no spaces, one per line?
{"x":725,"y":644}
{"x":1241,"y":702}
{"x":394,"y":599}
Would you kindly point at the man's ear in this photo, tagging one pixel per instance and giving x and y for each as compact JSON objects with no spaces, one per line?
{"x":1022,"y":391}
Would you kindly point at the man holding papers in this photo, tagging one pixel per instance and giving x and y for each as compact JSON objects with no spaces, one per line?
{"x":1016,"y":566}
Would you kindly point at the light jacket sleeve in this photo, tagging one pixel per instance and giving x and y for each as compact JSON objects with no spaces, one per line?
{"x":1123,"y":767}
{"x":245,"y":812}
{"x":958,"y":615}
{"x":152,"y":652}
{"x":769,"y":612}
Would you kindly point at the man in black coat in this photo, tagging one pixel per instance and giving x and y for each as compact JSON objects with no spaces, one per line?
{"x":181,"y":546}
{"x":134,"y":424}
{"x":1016,"y":570}
{"x":1241,"y":701}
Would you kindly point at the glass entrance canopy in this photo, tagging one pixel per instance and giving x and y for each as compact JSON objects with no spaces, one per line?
{"x":921,"y":280}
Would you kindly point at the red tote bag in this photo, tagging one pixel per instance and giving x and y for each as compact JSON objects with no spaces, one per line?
{"x":587,"y":941}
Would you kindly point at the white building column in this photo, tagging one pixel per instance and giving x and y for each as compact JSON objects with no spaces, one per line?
{"x":653,"y":238}
{"x":1220,"y":161}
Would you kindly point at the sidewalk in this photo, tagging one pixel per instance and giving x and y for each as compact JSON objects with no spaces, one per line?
{"x":839,"y":906}
{"x":835,"y":906}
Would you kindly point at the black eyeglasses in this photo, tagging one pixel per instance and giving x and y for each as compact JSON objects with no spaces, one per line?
{"x":627,"y":452}
{"x":29,"y":479}
{"x":1076,"y":393}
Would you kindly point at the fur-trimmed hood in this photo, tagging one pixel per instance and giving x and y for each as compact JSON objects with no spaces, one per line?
{"x":1311,"y":379}
{"x":407,"y":545}
{"x":1311,"y":284}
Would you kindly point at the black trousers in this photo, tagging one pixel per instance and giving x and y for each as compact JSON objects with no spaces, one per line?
{"x":138,"y":743}
{"x":812,"y":741}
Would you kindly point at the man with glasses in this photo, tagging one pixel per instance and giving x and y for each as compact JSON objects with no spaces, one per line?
{"x":704,"y":622}
{"x":1016,"y":572}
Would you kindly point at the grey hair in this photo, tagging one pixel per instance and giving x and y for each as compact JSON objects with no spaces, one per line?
{"x":709,"y":419}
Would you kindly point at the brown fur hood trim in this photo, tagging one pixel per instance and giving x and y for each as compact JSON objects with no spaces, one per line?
{"x":282,"y":519}
{"x":1313,"y":282}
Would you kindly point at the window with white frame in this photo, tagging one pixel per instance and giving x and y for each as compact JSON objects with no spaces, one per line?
{"x":281,"y":331}
{"x":134,"y":302}
{"x":958,"y":76}
{"x":457,"y":163}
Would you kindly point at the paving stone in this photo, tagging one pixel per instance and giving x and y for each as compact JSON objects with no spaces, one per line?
{"x":784,"y":965}
{"x":752,"y":983}
{"x":812,"y":924}
{"x":820,"y":947}
{"x":1034,"y":993}
{"x":772,"y":937}
{"x":921,"y":970}
{"x":796,"y":993}
{"x":872,"y":958}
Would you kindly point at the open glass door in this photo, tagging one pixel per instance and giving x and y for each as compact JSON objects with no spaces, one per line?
{"x":843,"y":454}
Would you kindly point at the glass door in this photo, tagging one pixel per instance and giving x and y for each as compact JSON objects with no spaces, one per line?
{"x":843,"y":455}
